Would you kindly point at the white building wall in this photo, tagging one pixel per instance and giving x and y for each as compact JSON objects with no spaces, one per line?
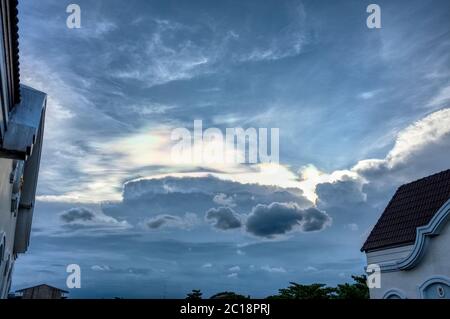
{"x":435,"y":262}
{"x":7,"y":226}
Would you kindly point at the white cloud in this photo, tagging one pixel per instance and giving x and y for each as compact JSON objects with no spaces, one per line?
{"x":97,"y":30}
{"x":431,"y":130}
{"x":368,"y":95}
{"x":235,"y":269}
{"x":240,"y":252}
{"x":273,"y":269}
{"x":161,"y":63}
{"x":104,"y":27}
{"x":223,"y":200}
{"x":289,"y":42}
{"x":100,"y":268}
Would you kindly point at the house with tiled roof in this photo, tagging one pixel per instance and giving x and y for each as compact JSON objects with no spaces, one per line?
{"x":410,"y":243}
{"x":22,"y":118}
{"x":41,"y":292}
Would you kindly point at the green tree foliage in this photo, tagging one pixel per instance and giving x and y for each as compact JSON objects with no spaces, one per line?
{"x":298,"y":291}
{"x":229,"y":295}
{"x":194,"y":295}
{"x":357,"y":290}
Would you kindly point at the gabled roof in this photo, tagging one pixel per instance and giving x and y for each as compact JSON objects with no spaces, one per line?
{"x":412,"y":206}
{"x":43,"y":285}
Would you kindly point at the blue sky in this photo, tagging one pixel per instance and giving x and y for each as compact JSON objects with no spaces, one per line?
{"x":359,"y":110}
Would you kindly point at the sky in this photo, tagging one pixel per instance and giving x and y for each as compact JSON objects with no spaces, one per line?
{"x":360,"y":112}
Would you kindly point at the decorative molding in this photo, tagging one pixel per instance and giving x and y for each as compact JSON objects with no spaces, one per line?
{"x":396,"y":292}
{"x":432,"y":280}
{"x":423,"y":235}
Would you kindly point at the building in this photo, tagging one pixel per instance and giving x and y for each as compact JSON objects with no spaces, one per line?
{"x":21,"y":131}
{"x":410,"y":242}
{"x":41,"y":292}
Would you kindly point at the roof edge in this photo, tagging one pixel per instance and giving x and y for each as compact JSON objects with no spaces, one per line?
{"x":381,"y":247}
{"x":62,"y":290}
{"x":423,"y":234}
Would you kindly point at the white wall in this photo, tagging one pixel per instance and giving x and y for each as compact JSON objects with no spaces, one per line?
{"x":7,"y":222}
{"x":435,"y":262}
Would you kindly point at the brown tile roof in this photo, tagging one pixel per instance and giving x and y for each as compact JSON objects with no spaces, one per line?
{"x":43,"y":285}
{"x":412,"y":206}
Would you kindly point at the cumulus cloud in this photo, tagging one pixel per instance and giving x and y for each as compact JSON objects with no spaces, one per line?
{"x":357,"y":196}
{"x":85,"y":217}
{"x":170,"y":221}
{"x":276,"y":219}
{"x":206,"y":184}
{"x":166,"y":199}
{"x":224,"y":200}
{"x":235,"y":269}
{"x":311,"y":269}
{"x":340,"y":193}
{"x":78,"y":214}
{"x":224,"y":218}
{"x":413,"y":146}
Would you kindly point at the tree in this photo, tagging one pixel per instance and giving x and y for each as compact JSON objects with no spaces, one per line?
{"x":229,"y":295}
{"x":298,"y":291}
{"x":357,"y":290}
{"x":194,"y":295}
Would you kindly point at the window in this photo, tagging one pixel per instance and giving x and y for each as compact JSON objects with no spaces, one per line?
{"x":394,"y":294}
{"x":437,"y":287}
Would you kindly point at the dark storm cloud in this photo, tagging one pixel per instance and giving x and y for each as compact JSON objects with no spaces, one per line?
{"x":208,"y":184}
{"x":281,"y":218}
{"x":224,"y":218}
{"x":77,"y":214}
{"x":175,"y":196}
{"x":162,"y":221}
{"x":97,"y":222}
{"x":340,"y":193}
{"x":159,"y":221}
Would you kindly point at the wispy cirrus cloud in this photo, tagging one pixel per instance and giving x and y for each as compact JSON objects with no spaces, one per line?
{"x":441,"y":99}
